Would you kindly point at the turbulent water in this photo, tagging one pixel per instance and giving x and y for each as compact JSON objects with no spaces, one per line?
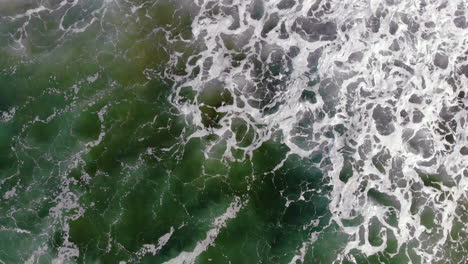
{"x":233,"y":131}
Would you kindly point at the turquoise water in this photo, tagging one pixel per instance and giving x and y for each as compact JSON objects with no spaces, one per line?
{"x":125,"y":138}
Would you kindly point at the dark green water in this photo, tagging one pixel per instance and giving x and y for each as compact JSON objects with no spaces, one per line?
{"x":98,"y":164}
{"x":99,"y":159}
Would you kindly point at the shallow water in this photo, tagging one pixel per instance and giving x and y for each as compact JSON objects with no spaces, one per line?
{"x":288,"y":131}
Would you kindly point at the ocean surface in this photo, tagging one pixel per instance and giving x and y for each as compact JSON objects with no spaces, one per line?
{"x":233,"y":131}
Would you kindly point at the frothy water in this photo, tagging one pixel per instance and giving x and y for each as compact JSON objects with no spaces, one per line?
{"x":287,"y":131}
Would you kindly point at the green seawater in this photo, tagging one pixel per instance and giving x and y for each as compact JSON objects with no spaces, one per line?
{"x":99,"y":165}
{"x":96,"y":161}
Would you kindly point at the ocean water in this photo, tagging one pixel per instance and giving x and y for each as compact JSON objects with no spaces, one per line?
{"x":233,"y":131}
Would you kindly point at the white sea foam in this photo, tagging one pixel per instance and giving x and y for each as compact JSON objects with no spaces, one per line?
{"x":218,"y":224}
{"x":390,"y":73}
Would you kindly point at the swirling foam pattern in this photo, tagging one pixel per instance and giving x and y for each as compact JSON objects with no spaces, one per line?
{"x":233,"y":131}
